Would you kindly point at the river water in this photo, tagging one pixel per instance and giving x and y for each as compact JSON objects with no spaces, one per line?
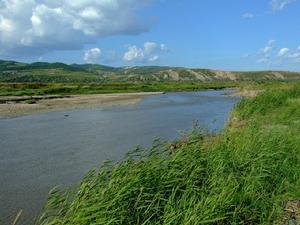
{"x":38,"y":152}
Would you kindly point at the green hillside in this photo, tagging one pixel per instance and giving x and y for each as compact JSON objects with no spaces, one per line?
{"x":11,"y":71}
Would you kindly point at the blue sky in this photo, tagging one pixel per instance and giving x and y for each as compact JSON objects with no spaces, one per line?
{"x":228,"y":35}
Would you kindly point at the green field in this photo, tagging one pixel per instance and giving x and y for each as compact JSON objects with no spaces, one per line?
{"x":249,"y":174}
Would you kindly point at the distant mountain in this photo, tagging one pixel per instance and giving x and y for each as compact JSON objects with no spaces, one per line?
{"x":12,"y":71}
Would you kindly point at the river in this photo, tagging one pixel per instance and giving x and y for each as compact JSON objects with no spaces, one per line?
{"x":40,"y":151}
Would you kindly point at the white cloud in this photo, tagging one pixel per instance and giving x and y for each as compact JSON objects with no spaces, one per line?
{"x":154,"y":58}
{"x":146,"y":54}
{"x":134,"y":54}
{"x":283,"y":52}
{"x":248,"y":15}
{"x":35,"y":27}
{"x":263,"y":60}
{"x":269,"y":48}
{"x":265,"y":52}
{"x":296,"y":55}
{"x":92,"y":55}
{"x":164,"y":47}
{"x":278,"y":5}
{"x":150,"y":46}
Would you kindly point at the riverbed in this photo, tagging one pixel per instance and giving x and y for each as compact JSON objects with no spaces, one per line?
{"x":40,"y":151}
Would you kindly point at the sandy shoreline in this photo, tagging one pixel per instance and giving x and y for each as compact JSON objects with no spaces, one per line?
{"x":245,"y":93}
{"x":14,"y":108}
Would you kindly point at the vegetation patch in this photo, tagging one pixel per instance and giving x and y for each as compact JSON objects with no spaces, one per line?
{"x":11,"y":71}
{"x":30,"y":101}
{"x":245,"y":176}
{"x":19,"y":89}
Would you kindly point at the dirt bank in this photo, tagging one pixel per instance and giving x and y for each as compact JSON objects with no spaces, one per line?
{"x":13,"y":106}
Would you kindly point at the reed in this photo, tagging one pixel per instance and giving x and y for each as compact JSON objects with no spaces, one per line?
{"x":246,"y":175}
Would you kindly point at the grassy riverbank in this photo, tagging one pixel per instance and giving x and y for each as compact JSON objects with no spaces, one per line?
{"x":40,"y":89}
{"x":250,"y":174}
{"x":19,"y":89}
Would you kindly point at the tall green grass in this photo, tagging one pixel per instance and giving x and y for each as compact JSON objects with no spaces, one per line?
{"x":107,"y":87}
{"x":243,"y":176}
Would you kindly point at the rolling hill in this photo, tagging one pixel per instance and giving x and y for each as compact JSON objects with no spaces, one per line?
{"x":12,"y":71}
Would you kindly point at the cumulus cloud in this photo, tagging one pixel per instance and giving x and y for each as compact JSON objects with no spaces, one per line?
{"x":150,"y":46}
{"x":149,"y":52}
{"x":134,"y":54}
{"x":35,"y":27}
{"x":248,"y":15}
{"x":154,"y":58}
{"x":164,"y":47}
{"x":268,"y":48}
{"x":296,"y":55}
{"x":278,"y":5}
{"x":283,"y":52}
{"x":92,"y":55}
{"x":266,"y":51}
